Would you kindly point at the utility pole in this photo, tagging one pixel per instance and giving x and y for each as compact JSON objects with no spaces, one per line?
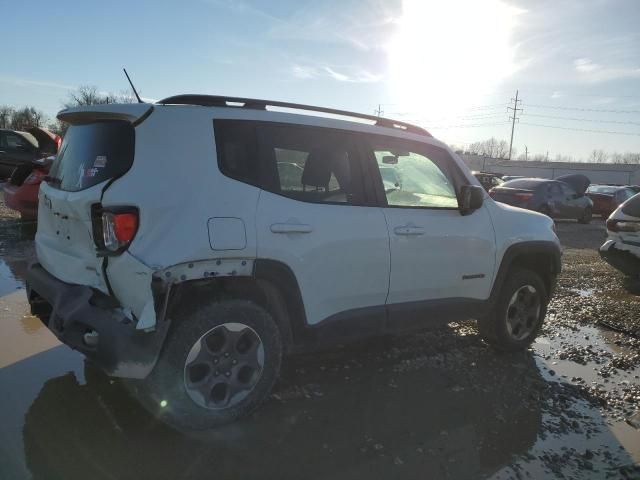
{"x":526,"y":153}
{"x":379,"y":111}
{"x":513,"y":119}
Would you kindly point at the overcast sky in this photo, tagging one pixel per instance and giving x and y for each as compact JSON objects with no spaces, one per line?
{"x":450,"y":65}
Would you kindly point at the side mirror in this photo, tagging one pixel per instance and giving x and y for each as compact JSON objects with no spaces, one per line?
{"x":471,"y":198}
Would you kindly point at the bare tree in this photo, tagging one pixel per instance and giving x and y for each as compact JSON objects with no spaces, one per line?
{"x":90,"y":95}
{"x":625,"y":158}
{"x":490,"y":148}
{"x":6,"y":114}
{"x":563,"y":158}
{"x":26,"y":117}
{"x":597,"y":156}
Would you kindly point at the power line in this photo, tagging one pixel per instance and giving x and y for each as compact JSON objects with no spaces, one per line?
{"x":469,"y":125}
{"x":487,"y":107}
{"x":579,"y":129}
{"x":513,"y":118}
{"x":619,"y":122}
{"x":579,"y":109}
{"x":451,"y":117}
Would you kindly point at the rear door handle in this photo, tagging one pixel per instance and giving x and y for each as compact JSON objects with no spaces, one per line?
{"x":408,"y":230}
{"x":291,"y":228}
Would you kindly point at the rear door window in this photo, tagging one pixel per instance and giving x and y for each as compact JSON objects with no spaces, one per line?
{"x":237,"y":150}
{"x":93,"y":153}
{"x":310,"y":164}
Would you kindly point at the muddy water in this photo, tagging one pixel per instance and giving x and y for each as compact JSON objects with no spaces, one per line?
{"x":436,"y":404}
{"x":8,"y":283}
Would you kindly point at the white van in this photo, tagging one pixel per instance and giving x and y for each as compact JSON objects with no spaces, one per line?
{"x":194,"y":242}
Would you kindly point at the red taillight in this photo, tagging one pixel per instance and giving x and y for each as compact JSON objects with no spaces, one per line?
{"x":118,"y":229}
{"x":492,"y":192}
{"x":126,"y":225}
{"x":35,"y":178}
{"x":58,"y":142}
{"x":523,"y":197}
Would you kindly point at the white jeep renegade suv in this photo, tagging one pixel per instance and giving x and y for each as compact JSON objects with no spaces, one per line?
{"x":194,"y":242}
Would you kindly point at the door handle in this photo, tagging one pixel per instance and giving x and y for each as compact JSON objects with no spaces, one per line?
{"x":408,"y":230}
{"x":291,"y":228}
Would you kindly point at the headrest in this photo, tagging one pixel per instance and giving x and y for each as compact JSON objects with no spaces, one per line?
{"x":317,"y":169}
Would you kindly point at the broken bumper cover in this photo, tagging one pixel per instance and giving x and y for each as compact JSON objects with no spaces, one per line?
{"x":119,"y":348}
{"x":622,"y":260}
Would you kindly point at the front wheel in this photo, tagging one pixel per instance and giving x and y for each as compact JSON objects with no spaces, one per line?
{"x":586,"y":216}
{"x":219,"y":364}
{"x":518,"y":313}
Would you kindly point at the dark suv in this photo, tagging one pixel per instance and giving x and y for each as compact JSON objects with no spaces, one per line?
{"x":18,"y":148}
{"x":563,"y":197}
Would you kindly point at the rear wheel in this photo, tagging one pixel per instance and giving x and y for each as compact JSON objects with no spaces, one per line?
{"x":219,"y":364}
{"x":586,"y":216}
{"x":518,"y":314}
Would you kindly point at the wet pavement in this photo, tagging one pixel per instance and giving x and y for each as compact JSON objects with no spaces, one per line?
{"x":436,"y":404}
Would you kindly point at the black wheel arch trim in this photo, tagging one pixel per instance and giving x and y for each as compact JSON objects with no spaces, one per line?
{"x":282,"y":277}
{"x":524,"y":250}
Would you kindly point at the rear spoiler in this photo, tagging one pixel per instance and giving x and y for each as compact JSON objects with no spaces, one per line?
{"x":134,"y":113}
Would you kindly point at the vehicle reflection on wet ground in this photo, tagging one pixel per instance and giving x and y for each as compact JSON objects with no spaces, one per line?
{"x":436,"y":404}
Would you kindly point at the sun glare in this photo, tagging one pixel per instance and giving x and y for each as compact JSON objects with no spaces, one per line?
{"x":446,"y":55}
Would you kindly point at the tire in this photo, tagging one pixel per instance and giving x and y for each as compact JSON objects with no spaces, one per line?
{"x":168,"y":392}
{"x":586,"y":216}
{"x":497,"y":330}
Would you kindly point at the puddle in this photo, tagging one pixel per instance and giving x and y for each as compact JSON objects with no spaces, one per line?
{"x":8,"y":282}
{"x":583,"y":292}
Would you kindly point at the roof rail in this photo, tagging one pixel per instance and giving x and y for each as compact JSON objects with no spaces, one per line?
{"x":252,"y":103}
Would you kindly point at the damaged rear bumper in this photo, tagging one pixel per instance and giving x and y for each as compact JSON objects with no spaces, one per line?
{"x":622,"y":260}
{"x":71,"y":311}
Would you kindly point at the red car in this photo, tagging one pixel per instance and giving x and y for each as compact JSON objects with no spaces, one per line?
{"x":606,"y":198}
{"x":21,"y":190}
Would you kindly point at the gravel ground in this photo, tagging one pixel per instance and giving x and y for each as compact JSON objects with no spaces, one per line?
{"x":435,"y":404}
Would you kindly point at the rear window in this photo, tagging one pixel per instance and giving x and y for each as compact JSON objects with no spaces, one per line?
{"x":632,"y":206}
{"x":93,"y":153}
{"x":524,"y":184}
